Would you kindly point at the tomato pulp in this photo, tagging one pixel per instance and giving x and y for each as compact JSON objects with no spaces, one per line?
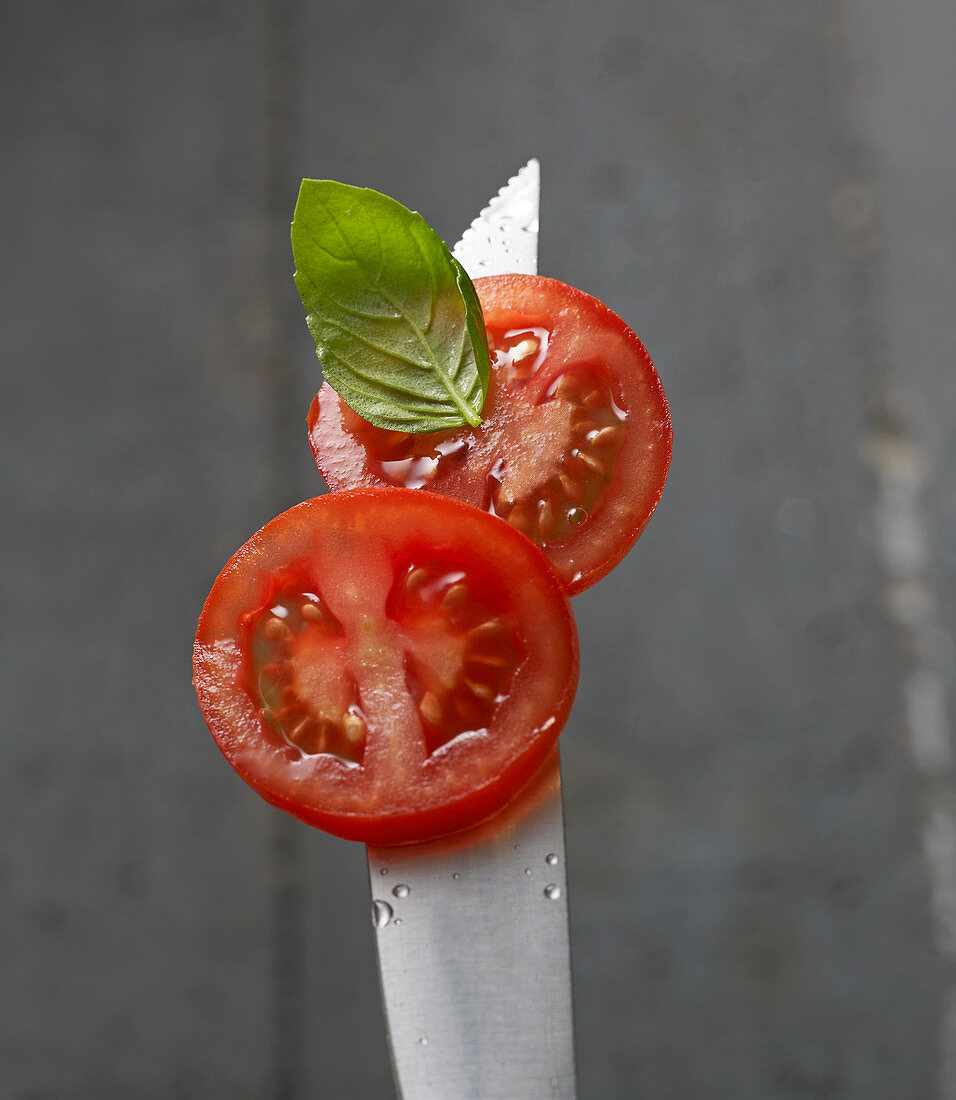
{"x":387,"y":665}
{"x":575,"y":442}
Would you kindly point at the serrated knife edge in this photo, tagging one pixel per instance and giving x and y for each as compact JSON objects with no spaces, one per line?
{"x":504,"y":236}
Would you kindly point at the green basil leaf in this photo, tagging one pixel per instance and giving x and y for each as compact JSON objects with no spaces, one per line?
{"x":476,"y":324}
{"x":396,"y":321}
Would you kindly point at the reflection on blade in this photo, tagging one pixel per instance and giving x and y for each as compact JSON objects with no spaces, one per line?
{"x":472,"y":935}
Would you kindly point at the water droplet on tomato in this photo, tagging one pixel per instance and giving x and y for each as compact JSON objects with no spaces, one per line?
{"x":552,"y":859}
{"x":439,"y":585}
{"x":381,"y":913}
{"x":615,"y":408}
{"x":453,"y":447}
{"x":412,"y":473}
{"x":401,"y":890}
{"x":552,"y":892}
{"x":577,"y":516}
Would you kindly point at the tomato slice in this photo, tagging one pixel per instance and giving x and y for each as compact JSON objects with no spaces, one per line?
{"x":389,"y":666}
{"x":576,"y":436}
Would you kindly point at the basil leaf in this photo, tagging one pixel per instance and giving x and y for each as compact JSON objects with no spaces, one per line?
{"x":396,"y":321}
{"x":475,"y":321}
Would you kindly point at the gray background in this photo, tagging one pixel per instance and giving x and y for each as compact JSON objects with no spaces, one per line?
{"x":758,"y":771}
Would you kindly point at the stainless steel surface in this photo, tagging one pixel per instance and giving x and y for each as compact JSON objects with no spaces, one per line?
{"x":472,"y":931}
{"x":474,"y":959}
{"x":504,"y":236}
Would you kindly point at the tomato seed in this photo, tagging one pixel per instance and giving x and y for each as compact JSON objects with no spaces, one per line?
{"x":520,"y":517}
{"x":455,"y":599}
{"x":430,"y":708}
{"x":300,"y":729}
{"x":492,"y":630}
{"x":491,"y":660}
{"x":566,"y":387}
{"x":311,"y":612}
{"x":483,"y":691}
{"x":590,"y":461}
{"x":416,"y":579}
{"x":523,"y":350}
{"x":607,"y":437}
{"x":546,"y":518}
{"x":504,"y":498}
{"x":354,"y":728}
{"x":276,"y":630}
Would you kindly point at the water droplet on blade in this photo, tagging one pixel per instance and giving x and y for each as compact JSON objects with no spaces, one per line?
{"x":552,"y":892}
{"x":401,"y":890}
{"x":381,"y":913}
{"x":552,"y":859}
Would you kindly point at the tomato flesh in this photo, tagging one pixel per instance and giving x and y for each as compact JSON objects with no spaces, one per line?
{"x":387,"y":665}
{"x":575,"y":442}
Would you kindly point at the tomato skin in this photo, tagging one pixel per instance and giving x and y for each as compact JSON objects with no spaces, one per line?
{"x":603,"y":464}
{"x":352,"y":560}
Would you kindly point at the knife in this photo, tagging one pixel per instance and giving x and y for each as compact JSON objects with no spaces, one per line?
{"x":472,"y":930}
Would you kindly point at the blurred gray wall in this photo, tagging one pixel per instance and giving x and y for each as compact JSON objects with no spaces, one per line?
{"x":759,"y":769}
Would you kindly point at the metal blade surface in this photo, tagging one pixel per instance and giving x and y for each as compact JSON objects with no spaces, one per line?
{"x":472,"y":931}
{"x":504,"y":236}
{"x":474,"y":957}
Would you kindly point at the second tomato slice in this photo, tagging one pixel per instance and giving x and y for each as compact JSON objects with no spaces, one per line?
{"x":575,"y":442}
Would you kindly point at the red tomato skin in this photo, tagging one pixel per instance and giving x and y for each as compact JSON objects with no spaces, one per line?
{"x":589,"y":337}
{"x":319,"y":789}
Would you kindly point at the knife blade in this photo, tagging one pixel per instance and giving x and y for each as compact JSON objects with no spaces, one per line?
{"x":504,"y":236}
{"x":472,"y":930}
